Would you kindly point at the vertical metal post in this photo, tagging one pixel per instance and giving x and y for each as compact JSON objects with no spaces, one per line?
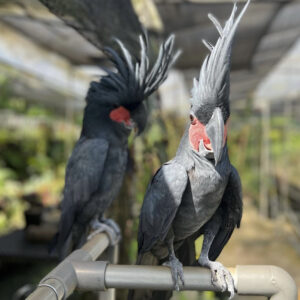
{"x":265,"y":162}
{"x":284,"y":185}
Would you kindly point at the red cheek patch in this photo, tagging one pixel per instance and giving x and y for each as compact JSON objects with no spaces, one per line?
{"x":120,"y":114}
{"x":196,"y":133}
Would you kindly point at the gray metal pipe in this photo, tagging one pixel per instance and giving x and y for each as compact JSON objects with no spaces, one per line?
{"x":80,"y":271}
{"x":50,"y":289}
{"x":138,"y":277}
{"x":62,"y":280}
{"x":90,"y":275}
{"x":270,"y":281}
{"x":156,"y":277}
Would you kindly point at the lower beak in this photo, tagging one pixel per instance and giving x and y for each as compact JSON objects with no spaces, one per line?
{"x":215,"y":132}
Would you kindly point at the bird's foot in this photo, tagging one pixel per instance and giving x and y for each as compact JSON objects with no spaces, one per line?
{"x":109,"y":226}
{"x":221,"y":277}
{"x":176,"y":271}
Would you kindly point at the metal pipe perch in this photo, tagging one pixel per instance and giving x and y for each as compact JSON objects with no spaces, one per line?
{"x":80,"y":271}
{"x":62,"y":281}
{"x":270,"y":281}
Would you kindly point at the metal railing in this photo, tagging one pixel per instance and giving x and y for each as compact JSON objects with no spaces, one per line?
{"x":80,"y":270}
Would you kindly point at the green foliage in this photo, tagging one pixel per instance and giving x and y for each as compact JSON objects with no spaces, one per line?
{"x":244,"y":144}
{"x":31,"y":162}
{"x":285,"y":148}
{"x":31,"y":152}
{"x":33,"y":156}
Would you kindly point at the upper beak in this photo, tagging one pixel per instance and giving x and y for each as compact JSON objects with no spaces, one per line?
{"x":215,"y":132}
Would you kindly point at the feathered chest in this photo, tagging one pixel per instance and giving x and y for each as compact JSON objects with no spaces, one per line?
{"x":201,"y":199}
{"x":207,"y":184}
{"x":116,"y":161}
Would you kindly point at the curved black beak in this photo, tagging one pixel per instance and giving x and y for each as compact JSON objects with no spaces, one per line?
{"x":215,"y":132}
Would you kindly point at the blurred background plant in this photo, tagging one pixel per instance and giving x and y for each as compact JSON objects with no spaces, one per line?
{"x":34,"y":147}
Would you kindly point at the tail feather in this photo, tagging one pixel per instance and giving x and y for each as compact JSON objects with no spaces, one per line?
{"x":186,"y":253}
{"x":64,"y":242}
{"x":71,"y":234}
{"x":59,"y":247}
{"x":52,"y":244}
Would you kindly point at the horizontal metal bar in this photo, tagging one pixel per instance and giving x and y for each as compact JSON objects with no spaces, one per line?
{"x":139,"y":277}
{"x":79,"y":271}
{"x":270,"y":281}
{"x":156,"y":277}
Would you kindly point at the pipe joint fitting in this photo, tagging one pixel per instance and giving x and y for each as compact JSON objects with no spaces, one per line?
{"x":90,"y":275}
{"x":270,"y":281}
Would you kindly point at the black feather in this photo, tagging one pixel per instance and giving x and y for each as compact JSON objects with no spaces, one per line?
{"x":133,"y":80}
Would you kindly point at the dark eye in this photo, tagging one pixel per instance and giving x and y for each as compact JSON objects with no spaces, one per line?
{"x":193,"y":119}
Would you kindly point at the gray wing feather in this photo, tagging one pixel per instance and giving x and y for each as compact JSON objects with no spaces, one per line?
{"x":83,"y":175}
{"x":231,"y":209}
{"x":161,"y":202}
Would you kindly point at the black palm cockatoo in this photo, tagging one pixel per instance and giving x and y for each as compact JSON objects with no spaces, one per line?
{"x":95,"y":170}
{"x":198,"y":192}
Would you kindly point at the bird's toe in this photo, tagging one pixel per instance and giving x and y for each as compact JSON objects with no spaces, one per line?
{"x":110,"y":227}
{"x":222,"y":278}
{"x":176,"y":271}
